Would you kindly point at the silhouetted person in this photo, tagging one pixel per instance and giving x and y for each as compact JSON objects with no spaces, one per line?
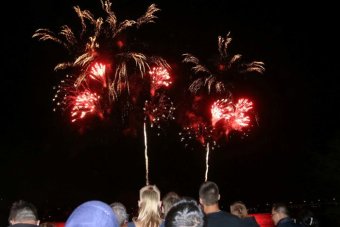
{"x":280,"y":216}
{"x":23,"y":214}
{"x":240,"y":210}
{"x":308,"y":219}
{"x":209,"y":196}
{"x":184,"y":213}
{"x":168,"y":200}
{"x":149,"y":203}
{"x":120,"y":211}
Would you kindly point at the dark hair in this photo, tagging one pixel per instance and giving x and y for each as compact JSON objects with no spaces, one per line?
{"x":209,"y":193}
{"x":281,"y":208}
{"x":185,"y":213}
{"x":308,"y":219}
{"x":22,"y":211}
{"x":168,"y":200}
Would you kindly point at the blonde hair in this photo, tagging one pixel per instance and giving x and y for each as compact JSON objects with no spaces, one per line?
{"x":149,"y":207}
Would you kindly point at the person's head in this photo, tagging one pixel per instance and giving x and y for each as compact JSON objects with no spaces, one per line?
{"x":149,"y":194}
{"x":239,"y":209}
{"x":168,"y":200}
{"x":120,"y":211}
{"x":92,"y":214}
{"x":185,"y":213}
{"x":307,"y":218}
{"x":149,"y":206}
{"x":209,"y":193}
{"x":23,"y":212}
{"x":279,"y":211}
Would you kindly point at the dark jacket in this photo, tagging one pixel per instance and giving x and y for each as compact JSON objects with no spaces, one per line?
{"x":222,"y":219}
{"x":249,"y":222}
{"x":23,"y":225}
{"x":287,"y":222}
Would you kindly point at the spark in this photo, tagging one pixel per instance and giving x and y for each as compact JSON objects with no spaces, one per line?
{"x":84,"y":104}
{"x":97,"y":72}
{"x":232,"y":116}
{"x":160,"y":77}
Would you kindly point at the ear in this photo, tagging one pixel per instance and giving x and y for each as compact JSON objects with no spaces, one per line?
{"x":201,"y":201}
{"x":139,"y":203}
{"x":219,"y":196}
{"x":38,"y":222}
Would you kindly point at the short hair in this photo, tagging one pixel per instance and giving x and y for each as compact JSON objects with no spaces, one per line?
{"x":238,"y":208}
{"x":23,"y":211}
{"x":120,"y":211}
{"x":185,"y":213}
{"x":168,"y":200}
{"x":209,"y":193}
{"x":280,"y":208}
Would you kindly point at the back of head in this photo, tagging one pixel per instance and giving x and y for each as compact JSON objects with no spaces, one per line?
{"x":239,"y":209}
{"x":23,"y":212}
{"x":149,"y":206}
{"x":120,"y":211}
{"x":209,"y":193}
{"x":279,"y":212}
{"x":280,"y":208}
{"x":184,"y":213}
{"x":308,"y":219}
{"x":168,"y":200}
{"x":92,"y":214}
{"x":149,"y":189}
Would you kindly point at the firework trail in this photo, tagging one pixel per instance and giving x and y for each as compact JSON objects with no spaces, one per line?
{"x":159,"y":108}
{"x":217,"y":81}
{"x":103,"y":66}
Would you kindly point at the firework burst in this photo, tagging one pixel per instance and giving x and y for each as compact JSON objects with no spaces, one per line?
{"x":218,"y":81}
{"x":231,"y":116}
{"x":226,"y":68}
{"x":160,"y":77}
{"x":159,"y":108}
{"x":97,"y":42}
{"x":83,"y":104}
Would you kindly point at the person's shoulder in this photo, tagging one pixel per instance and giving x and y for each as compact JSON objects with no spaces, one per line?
{"x":223,"y":218}
{"x":250,"y":221}
{"x":287,"y":222}
{"x":224,"y":215}
{"x":131,"y":224}
{"x":162,"y":224}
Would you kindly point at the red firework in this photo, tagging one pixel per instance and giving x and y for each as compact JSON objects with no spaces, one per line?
{"x":160,"y":77}
{"x":98,"y":73}
{"x":221,"y":109}
{"x":159,"y":109}
{"x":233,"y":116}
{"x":84,"y":104}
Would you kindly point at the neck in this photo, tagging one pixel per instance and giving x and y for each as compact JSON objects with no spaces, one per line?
{"x":211,"y":208}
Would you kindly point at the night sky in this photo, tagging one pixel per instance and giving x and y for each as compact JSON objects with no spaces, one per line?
{"x":292,"y":154}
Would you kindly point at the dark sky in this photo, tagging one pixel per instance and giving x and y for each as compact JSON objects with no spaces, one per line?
{"x":293,"y":154}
